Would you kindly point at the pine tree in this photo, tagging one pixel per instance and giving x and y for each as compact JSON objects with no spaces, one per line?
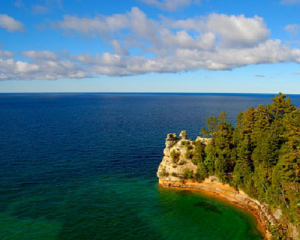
{"x":261,"y":155}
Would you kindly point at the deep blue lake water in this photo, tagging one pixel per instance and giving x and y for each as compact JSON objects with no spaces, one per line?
{"x":83,"y":166}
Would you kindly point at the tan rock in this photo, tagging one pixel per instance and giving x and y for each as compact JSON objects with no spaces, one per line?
{"x":172,"y":168}
{"x":183,"y":135}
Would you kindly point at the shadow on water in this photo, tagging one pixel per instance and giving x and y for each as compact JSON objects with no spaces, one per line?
{"x":185,"y":193}
{"x":208,"y":207}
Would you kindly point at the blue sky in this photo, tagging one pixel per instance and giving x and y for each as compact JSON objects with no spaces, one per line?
{"x":150,"y":46}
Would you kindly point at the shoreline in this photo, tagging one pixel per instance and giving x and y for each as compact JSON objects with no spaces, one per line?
{"x":230,"y":195}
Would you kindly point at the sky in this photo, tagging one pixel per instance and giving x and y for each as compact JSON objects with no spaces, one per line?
{"x":194,"y":46}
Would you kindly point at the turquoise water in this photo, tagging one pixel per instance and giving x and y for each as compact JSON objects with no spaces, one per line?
{"x":83,"y":166}
{"x":131,"y":209}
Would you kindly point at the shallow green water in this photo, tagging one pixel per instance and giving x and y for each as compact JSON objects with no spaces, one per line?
{"x":131,"y":209}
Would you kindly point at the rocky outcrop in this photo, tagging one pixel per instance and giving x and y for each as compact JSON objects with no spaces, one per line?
{"x":177,"y":159}
{"x":177,"y":162}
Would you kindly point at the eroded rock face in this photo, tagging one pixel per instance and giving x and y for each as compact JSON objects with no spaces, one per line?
{"x":204,"y":140}
{"x":183,"y":135}
{"x":171,"y":140}
{"x":176,"y":158}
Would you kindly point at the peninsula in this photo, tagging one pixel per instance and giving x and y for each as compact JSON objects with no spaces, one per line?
{"x":254,"y":165}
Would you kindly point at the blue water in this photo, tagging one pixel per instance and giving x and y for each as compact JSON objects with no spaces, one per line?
{"x":83,"y":166}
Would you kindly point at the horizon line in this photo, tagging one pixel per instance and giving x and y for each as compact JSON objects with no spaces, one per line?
{"x":144,"y":93}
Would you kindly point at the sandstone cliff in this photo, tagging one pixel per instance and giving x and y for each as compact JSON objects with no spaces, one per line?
{"x":177,"y":160}
{"x":177,"y":166}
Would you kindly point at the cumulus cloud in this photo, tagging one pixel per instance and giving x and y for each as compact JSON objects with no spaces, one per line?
{"x":238,"y":30}
{"x":290,"y":2}
{"x":102,"y":26}
{"x":170,"y":5}
{"x":193,"y":59}
{"x":160,"y":36}
{"x":11,"y":24}
{"x":118,"y":49}
{"x":87,"y":65}
{"x":92,"y":26}
{"x":40,"y":54}
{"x":141,"y":45}
{"x":39,"y":69}
{"x":6,"y":54}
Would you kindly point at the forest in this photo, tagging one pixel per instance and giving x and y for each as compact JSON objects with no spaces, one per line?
{"x":259,"y":155}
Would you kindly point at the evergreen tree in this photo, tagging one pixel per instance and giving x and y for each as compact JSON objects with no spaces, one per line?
{"x":261,"y":155}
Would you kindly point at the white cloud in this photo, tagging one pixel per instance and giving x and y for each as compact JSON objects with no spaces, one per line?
{"x":170,"y":5}
{"x":40,"y":69}
{"x":93,"y":26}
{"x":85,"y":58}
{"x":238,"y":30}
{"x":40,"y":54}
{"x":290,"y":2}
{"x":141,"y":45}
{"x":6,"y":54}
{"x":293,"y":29}
{"x":11,"y":24}
{"x":233,"y":31}
{"x":118,"y":49}
{"x":160,"y":36}
{"x":24,"y":67}
{"x":84,"y":65}
{"x":182,"y":39}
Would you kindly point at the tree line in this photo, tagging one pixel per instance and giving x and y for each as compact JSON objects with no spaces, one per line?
{"x":260,"y":155}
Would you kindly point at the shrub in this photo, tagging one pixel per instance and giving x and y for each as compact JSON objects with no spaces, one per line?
{"x":188,"y":174}
{"x":175,"y":156}
{"x":189,"y":147}
{"x":182,"y":162}
{"x":187,"y":154}
{"x":164,"y":173}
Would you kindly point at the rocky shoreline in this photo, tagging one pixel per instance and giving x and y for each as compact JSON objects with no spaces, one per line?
{"x":176,"y":166}
{"x":238,"y":198}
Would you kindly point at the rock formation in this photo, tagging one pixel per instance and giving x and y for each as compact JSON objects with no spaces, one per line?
{"x":176,"y":160}
{"x":177,"y":165}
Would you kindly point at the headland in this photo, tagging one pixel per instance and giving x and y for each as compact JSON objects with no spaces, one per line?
{"x":179,"y":170}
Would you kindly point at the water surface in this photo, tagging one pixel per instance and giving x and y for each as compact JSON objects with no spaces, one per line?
{"x":83,"y":166}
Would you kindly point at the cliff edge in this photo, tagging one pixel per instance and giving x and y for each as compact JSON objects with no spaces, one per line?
{"x":179,"y":170}
{"x":177,"y":163}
